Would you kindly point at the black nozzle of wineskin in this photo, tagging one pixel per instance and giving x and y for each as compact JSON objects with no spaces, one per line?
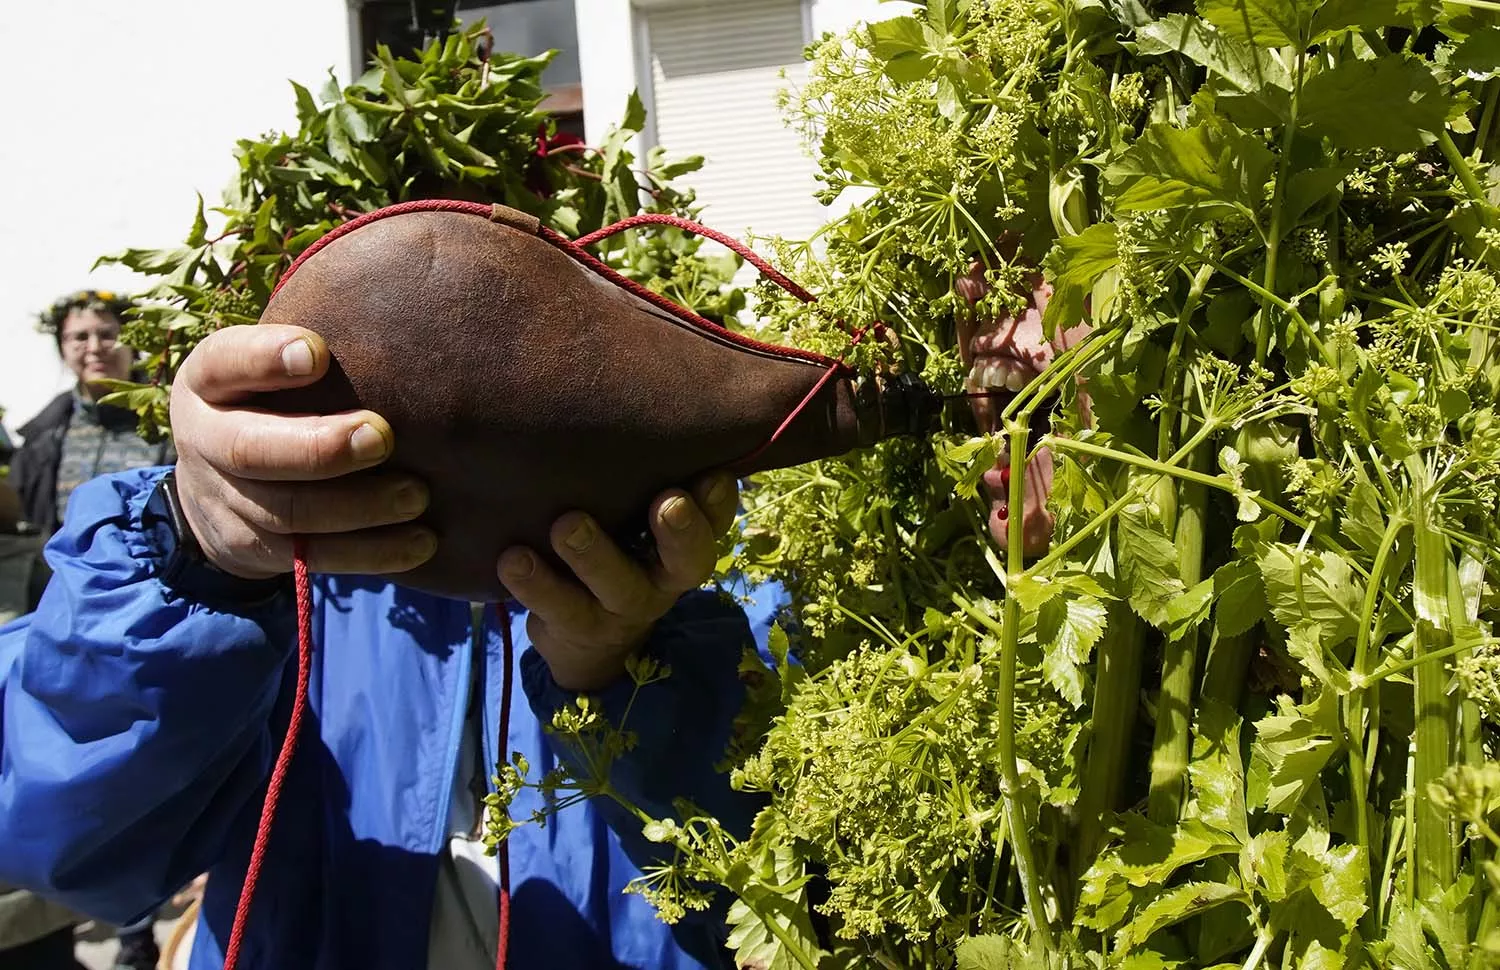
{"x":907,"y":405}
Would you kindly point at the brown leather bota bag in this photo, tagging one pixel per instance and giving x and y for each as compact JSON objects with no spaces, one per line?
{"x":523,"y":379}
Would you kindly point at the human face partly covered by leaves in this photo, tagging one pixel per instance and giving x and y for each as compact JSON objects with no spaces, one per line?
{"x":1003,"y":353}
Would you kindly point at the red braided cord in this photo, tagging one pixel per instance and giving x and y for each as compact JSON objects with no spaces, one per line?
{"x":502,"y":945}
{"x":284,"y":759}
{"x":662,"y":219}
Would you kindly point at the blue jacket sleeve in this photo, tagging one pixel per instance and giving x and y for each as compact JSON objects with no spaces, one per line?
{"x":134,"y":724}
{"x":682,"y":724}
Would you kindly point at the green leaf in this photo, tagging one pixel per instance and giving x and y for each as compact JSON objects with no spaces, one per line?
{"x":1304,"y":587}
{"x":967,"y":462}
{"x":1478,"y":57}
{"x":307,"y":109}
{"x":1341,"y":888}
{"x":1240,"y":597}
{"x":760,"y":902}
{"x":1293,"y":745}
{"x":1242,"y":66}
{"x":634,"y":119}
{"x":1267,"y":23}
{"x":1265,"y":858}
{"x":1306,"y":189}
{"x":1216,"y":773}
{"x":1174,"y":905}
{"x":1148,"y":564}
{"x":1186,"y":612}
{"x":198,"y":234}
{"x":1392,"y":102}
{"x":950,"y":104}
{"x":1210,"y":167}
{"x":1067,"y":628}
{"x":1074,"y":266}
{"x":896,"y":36}
{"x":986,"y":953}
{"x":1302,"y":643}
{"x":1336,"y":16}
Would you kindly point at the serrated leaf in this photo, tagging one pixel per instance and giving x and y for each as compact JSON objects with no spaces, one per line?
{"x":1242,"y":66}
{"x":1207,"y":166}
{"x":1265,"y":858}
{"x":1240,"y":598}
{"x":1187,"y":611}
{"x":1215,"y":771}
{"x":1478,"y":57}
{"x":1075,"y":264}
{"x":986,"y":953}
{"x":1267,"y":23}
{"x":1341,"y":888}
{"x":1302,"y":642}
{"x":1067,"y":627}
{"x":967,"y":462}
{"x":773,"y":890}
{"x":1148,"y":564}
{"x":1390,"y":102}
{"x":1174,"y":905}
{"x":1293,"y":745}
{"x":1147,"y":855}
{"x":1305,"y":587}
{"x":1336,"y":16}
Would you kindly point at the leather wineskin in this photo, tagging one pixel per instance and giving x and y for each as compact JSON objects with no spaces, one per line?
{"x":521,"y":385}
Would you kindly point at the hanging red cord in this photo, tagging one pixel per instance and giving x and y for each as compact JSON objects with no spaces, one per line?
{"x":576,"y":250}
{"x":284,"y":759}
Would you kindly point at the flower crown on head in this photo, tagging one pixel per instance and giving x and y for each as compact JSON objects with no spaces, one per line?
{"x":51,"y":319}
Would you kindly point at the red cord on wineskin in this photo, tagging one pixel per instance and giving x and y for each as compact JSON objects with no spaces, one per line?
{"x":299,"y":563}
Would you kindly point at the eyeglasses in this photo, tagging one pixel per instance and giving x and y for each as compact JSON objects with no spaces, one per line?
{"x":82,"y":338}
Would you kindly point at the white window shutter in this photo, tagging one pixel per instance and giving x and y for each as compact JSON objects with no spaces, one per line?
{"x":716,"y":69}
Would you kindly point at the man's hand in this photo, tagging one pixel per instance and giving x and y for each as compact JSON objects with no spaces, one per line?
{"x":586,"y":633}
{"x":251,"y":479}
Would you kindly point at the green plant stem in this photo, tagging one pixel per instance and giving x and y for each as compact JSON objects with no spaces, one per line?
{"x":1226,"y":666}
{"x":1432,"y":836}
{"x":1401,"y":667}
{"x":1278,"y":213}
{"x":1172,"y":742}
{"x":1010,"y":775}
{"x":1354,"y":714}
{"x":1117,"y":683}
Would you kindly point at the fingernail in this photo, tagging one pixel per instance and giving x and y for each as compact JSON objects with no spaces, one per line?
{"x":1003,"y":511}
{"x":675,"y":513}
{"x":423,"y":545}
{"x":409,"y":499}
{"x":718,"y":492}
{"x":297,"y":358}
{"x":519,"y":564}
{"x":581,"y":537}
{"x":367,"y":443}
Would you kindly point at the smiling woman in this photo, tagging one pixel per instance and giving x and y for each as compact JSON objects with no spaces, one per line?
{"x":75,"y":438}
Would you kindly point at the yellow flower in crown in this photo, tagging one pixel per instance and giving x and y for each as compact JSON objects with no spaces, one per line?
{"x":105,"y":295}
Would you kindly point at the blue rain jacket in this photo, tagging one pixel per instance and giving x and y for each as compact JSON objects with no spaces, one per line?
{"x":138,"y":729}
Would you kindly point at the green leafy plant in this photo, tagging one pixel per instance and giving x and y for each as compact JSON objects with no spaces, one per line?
{"x":1242,"y":711}
{"x":458,"y":121}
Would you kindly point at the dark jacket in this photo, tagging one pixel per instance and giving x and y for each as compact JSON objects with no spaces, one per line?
{"x":33,"y":471}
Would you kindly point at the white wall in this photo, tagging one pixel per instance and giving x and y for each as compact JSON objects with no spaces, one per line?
{"x":608,"y":34}
{"x":116,"y":113}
